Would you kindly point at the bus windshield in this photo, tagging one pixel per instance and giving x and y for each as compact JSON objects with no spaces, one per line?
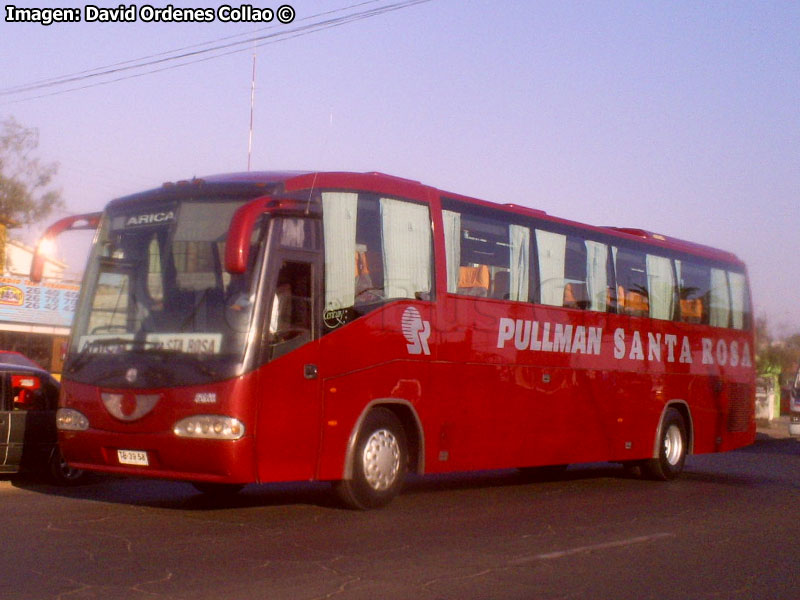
{"x":156,"y":286}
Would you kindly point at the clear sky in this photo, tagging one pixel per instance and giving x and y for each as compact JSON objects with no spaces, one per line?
{"x":678,"y":117}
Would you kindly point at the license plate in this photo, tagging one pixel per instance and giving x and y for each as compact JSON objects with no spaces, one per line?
{"x":133,"y":457}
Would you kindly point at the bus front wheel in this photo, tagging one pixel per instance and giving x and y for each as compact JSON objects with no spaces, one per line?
{"x":672,"y":447}
{"x":379,"y":463}
{"x":60,"y":472}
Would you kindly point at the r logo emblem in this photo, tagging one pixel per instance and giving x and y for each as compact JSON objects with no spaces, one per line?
{"x":416,"y":331}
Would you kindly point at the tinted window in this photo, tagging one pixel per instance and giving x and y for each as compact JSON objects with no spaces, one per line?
{"x":376,"y":249}
{"x":630,"y":267}
{"x":486,"y":257}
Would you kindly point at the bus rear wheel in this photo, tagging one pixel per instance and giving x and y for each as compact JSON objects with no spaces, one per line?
{"x":380,"y":462}
{"x":672,"y":448}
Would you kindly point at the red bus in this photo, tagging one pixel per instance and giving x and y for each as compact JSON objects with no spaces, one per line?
{"x":354,"y":327}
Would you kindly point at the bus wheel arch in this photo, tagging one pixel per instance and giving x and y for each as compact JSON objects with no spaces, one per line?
{"x":385,"y":444}
{"x":672,"y":443}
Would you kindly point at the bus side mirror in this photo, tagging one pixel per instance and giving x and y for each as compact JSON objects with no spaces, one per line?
{"x":46,"y":244}
{"x":237,"y":247}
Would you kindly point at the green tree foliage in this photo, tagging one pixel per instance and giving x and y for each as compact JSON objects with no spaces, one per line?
{"x":26,"y":193}
{"x":776,"y":356}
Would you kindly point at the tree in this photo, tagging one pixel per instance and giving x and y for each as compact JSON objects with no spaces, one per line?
{"x":26,"y":195}
{"x":777,"y":357}
{"x":25,"y":192}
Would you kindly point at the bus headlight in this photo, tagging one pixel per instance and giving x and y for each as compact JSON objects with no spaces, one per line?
{"x":68,"y":419}
{"x":211,"y":427}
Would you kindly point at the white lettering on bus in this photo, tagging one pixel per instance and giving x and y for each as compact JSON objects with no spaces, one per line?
{"x":636,"y":347}
{"x":566,"y":339}
{"x":686,"y":351}
{"x":578,"y":339}
{"x":708,"y":344}
{"x":619,"y":343}
{"x":150,"y":218}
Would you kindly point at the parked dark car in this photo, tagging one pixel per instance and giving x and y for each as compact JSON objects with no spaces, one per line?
{"x":15,"y":358}
{"x":28,"y":440}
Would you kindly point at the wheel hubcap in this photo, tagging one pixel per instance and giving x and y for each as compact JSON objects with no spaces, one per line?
{"x":381,"y":459}
{"x":673,"y":445}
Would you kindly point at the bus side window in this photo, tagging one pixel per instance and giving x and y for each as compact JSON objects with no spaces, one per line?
{"x":694,"y":289}
{"x":660,"y":287}
{"x":740,"y":300}
{"x":632,"y":288}
{"x":574,"y":272}
{"x":551,"y":249}
{"x":576,"y":292}
{"x":376,"y":249}
{"x":720,"y":299}
{"x":486,"y":256}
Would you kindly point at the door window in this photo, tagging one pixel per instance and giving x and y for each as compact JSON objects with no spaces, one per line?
{"x":290,"y":323}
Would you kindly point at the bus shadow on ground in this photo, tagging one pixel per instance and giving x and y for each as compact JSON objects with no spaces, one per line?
{"x":175,"y":495}
{"x":512,"y":477}
{"x":183,"y":496}
{"x":767,"y":444}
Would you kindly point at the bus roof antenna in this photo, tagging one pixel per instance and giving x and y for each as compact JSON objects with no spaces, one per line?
{"x":252,"y":102}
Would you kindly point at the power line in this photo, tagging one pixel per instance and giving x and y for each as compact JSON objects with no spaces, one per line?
{"x":97,"y":71}
{"x":190,"y":56}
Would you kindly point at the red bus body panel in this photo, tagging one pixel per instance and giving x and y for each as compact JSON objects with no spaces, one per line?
{"x":482,"y":407}
{"x":505,"y":384}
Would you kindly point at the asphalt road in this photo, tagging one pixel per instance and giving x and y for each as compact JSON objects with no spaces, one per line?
{"x":729,"y":528}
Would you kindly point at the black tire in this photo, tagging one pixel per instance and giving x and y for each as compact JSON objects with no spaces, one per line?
{"x":218,"y":490}
{"x":672,"y":446}
{"x":380,"y":462}
{"x":60,"y":473}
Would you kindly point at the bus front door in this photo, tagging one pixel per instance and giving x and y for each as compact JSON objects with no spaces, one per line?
{"x":290,"y":410}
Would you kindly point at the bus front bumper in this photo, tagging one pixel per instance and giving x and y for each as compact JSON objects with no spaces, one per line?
{"x":162,"y":456}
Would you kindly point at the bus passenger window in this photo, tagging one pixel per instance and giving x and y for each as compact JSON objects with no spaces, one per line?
{"x":740,"y":300}
{"x":660,"y":287}
{"x":720,"y":299}
{"x":551,"y":250}
{"x":599,"y":277}
{"x":376,"y":249}
{"x":694,"y":285}
{"x":407,"y":248}
{"x":576,"y":293}
{"x":632,"y":289}
{"x":486,"y":257}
